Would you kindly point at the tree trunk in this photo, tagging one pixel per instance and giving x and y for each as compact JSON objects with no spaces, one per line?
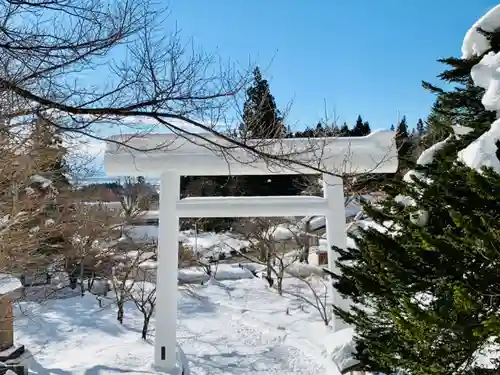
{"x":82,"y":284}
{"x":119,"y":313}
{"x":304,"y":257}
{"x":279,"y":284}
{"x":269,"y":271}
{"x":145,"y":326}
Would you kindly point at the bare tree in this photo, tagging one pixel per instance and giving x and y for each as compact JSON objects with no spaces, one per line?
{"x":49,"y":49}
{"x":263,"y":235}
{"x":143,"y":294}
{"x":315,"y":295}
{"x":130,"y":262}
{"x":135,"y":199}
{"x":91,"y":231}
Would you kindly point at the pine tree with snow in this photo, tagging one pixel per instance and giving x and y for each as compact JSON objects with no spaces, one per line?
{"x":424,"y":276}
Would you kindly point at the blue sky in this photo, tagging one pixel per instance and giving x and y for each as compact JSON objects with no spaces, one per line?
{"x":363,"y":57}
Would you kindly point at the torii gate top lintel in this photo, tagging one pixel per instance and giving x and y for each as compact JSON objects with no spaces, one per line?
{"x":209,"y":155}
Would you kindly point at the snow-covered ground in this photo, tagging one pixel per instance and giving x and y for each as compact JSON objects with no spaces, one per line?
{"x":234,"y":327}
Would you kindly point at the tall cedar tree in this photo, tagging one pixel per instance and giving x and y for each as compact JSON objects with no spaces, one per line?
{"x":47,"y":145}
{"x":261,"y":117}
{"x":403,"y":143}
{"x":263,"y":120}
{"x":427,"y":295}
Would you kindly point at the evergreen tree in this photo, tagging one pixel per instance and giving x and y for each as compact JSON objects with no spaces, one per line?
{"x":47,"y":146}
{"x":261,"y":117}
{"x":403,"y":144}
{"x":360,"y":128}
{"x":427,"y":288}
{"x":366,"y":128}
{"x":344,"y":130}
{"x":420,"y":127}
{"x":262,"y":120}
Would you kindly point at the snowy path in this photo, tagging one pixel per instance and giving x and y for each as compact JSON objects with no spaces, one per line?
{"x":237,"y":347}
{"x":227,"y":336}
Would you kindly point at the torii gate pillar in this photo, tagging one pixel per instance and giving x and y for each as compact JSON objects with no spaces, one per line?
{"x":166,"y":284}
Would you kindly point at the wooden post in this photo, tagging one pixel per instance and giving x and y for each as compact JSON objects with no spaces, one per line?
{"x":6,"y":323}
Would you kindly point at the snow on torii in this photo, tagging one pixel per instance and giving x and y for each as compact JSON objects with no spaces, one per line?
{"x":171,"y":156}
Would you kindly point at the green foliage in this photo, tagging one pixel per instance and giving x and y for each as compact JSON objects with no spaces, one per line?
{"x":361,"y":128}
{"x":420,"y":127}
{"x":453,"y":261}
{"x":428,"y":295}
{"x":261,"y":118}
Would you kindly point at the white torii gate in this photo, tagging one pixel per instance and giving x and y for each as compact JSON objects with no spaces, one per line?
{"x":171,"y":156}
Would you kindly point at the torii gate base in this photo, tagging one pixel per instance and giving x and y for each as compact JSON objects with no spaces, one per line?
{"x":375,"y":153}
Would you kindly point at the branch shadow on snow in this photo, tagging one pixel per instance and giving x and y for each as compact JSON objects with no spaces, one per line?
{"x":192,"y":305}
{"x":77,"y":315}
{"x":36,"y":368}
{"x":235,"y":362}
{"x":96,"y":370}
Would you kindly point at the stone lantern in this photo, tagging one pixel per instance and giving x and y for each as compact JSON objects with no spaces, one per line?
{"x":11,"y":355}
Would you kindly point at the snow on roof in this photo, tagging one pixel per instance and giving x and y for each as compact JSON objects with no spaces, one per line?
{"x":475,"y":44}
{"x":9,"y":283}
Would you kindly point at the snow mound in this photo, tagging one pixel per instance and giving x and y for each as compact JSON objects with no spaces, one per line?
{"x":482,"y":152}
{"x":219,"y":272}
{"x":476,"y":44}
{"x":211,"y":244}
{"x":340,"y":348}
{"x":9,"y":283}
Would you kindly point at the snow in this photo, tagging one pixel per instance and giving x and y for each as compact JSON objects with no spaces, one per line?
{"x":427,"y":156}
{"x":486,"y":74}
{"x":236,"y":327}
{"x":45,"y":182}
{"x":195,"y":156}
{"x":482,"y":151}
{"x":210,"y":243}
{"x":221,"y":272}
{"x":9,"y":283}
{"x":340,"y":348}
{"x":476,"y":44}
